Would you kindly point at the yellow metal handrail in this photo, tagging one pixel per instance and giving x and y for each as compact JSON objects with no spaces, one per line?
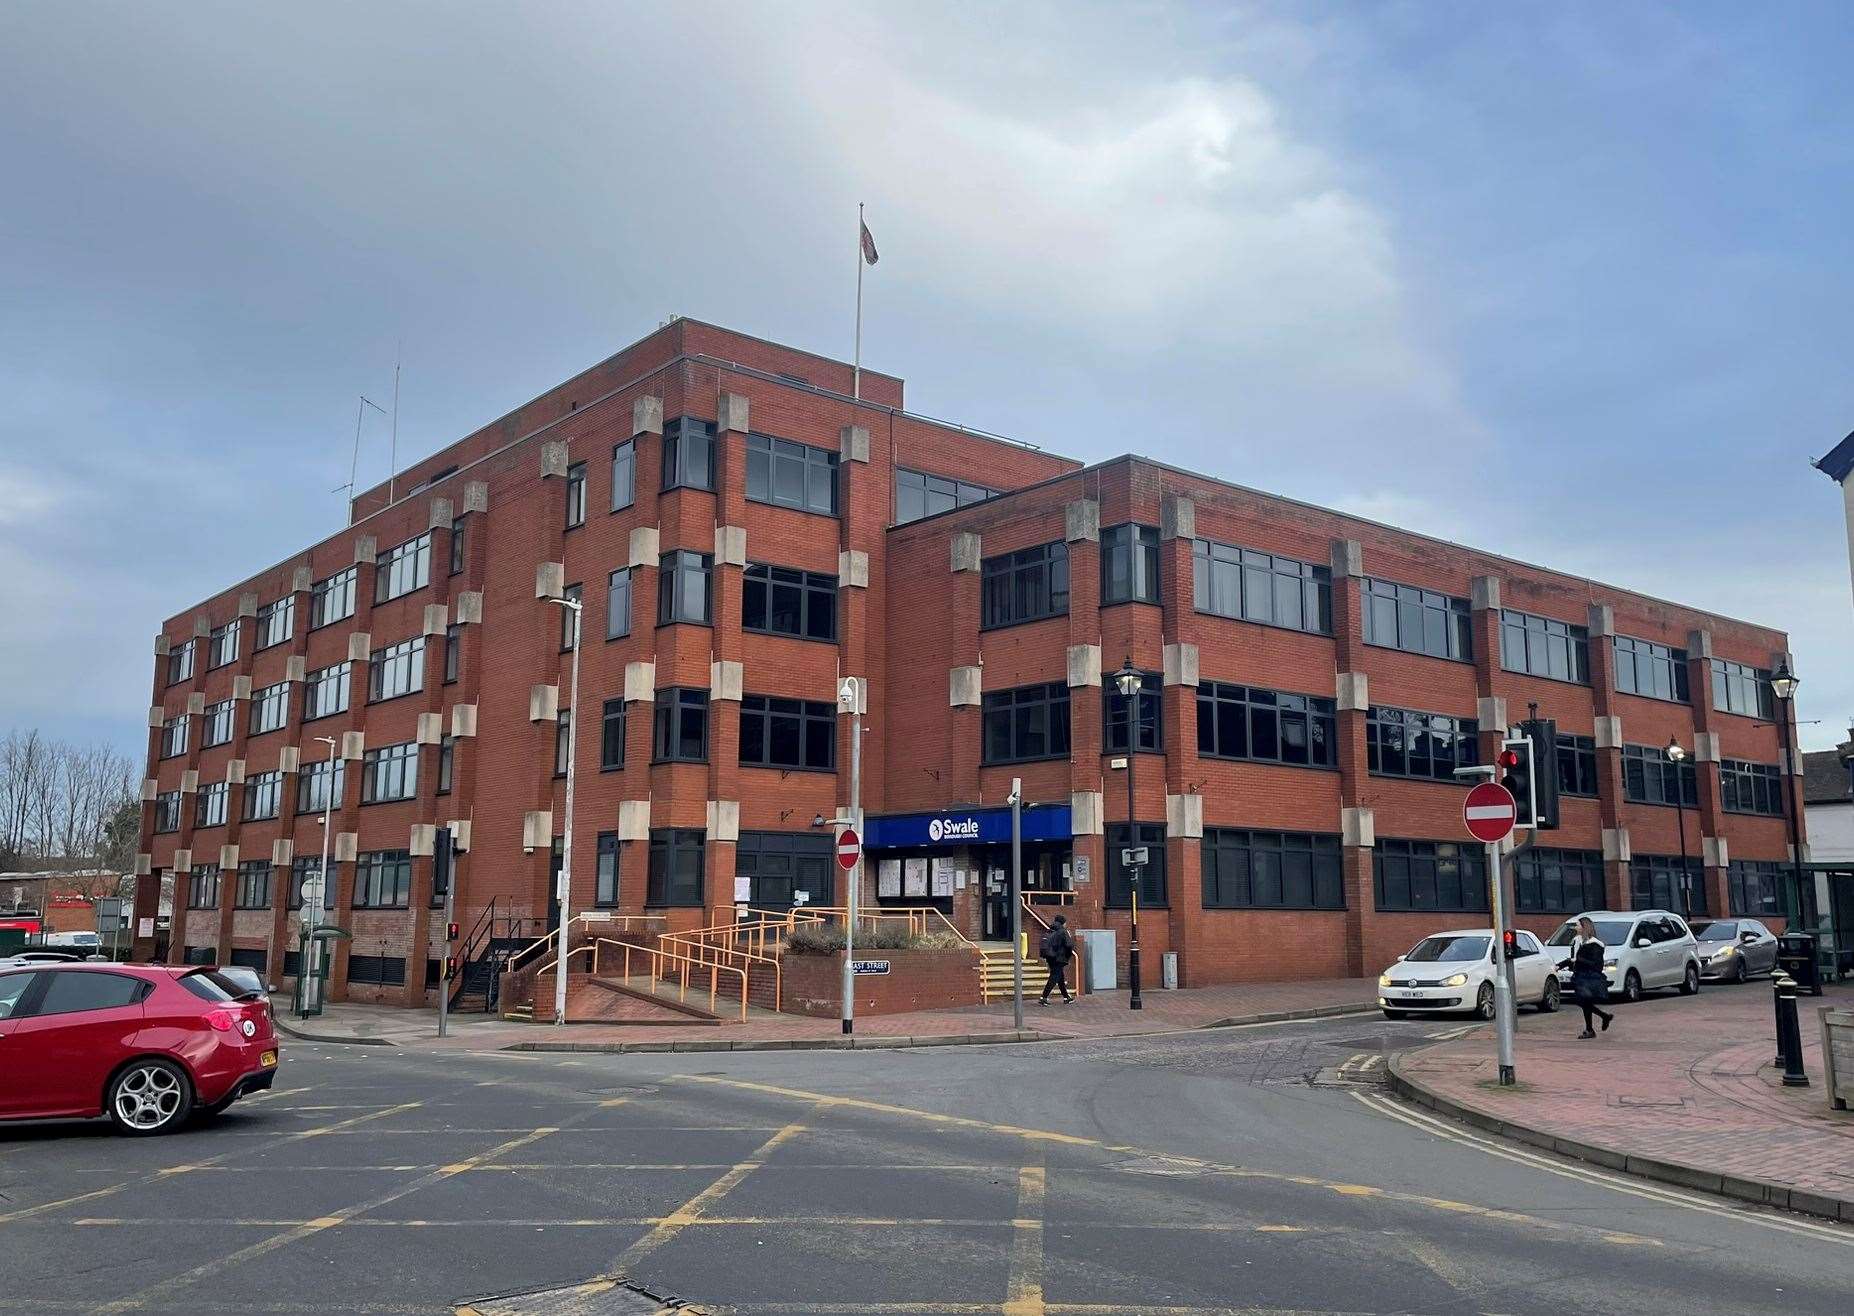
{"x":603,"y":920}
{"x":659,"y":956}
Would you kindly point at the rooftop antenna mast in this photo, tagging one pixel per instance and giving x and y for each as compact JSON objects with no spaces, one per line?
{"x":360,"y":413}
{"x":392,"y":461}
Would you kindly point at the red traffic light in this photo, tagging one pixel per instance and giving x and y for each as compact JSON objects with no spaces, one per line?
{"x":450,"y":967}
{"x":450,"y":932}
{"x":1509,"y":758}
{"x":1510,"y":941}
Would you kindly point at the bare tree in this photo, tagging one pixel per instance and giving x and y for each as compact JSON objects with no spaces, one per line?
{"x":58,"y":800}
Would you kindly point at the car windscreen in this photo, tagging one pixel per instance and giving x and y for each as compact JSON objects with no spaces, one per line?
{"x":1608,"y":931}
{"x":1718,"y":930}
{"x":1448,"y":950}
{"x":210,"y":986}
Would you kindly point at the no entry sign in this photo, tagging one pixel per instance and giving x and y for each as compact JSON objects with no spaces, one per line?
{"x":1489,"y":812}
{"x":850,"y":847}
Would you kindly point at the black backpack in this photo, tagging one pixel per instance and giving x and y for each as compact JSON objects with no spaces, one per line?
{"x":1055,"y":944}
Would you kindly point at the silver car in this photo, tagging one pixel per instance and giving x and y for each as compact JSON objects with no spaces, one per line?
{"x":1733,"y":949}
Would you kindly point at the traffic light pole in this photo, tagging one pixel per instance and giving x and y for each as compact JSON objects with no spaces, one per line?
{"x":450,"y":946}
{"x":1503,"y":971}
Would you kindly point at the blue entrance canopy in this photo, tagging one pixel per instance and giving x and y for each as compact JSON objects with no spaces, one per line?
{"x":955,"y":827}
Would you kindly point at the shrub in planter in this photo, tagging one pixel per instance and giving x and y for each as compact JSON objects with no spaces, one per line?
{"x":827,"y":939}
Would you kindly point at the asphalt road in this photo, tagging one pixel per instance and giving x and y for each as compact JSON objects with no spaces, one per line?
{"x":1252,"y":1170}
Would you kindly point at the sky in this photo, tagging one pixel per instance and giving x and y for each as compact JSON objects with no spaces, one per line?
{"x":1568,"y":282}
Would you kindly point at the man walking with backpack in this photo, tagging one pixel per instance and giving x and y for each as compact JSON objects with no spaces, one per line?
{"x":1057,"y":950}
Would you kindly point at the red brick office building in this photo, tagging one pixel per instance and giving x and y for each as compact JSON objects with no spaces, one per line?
{"x":743,"y":534}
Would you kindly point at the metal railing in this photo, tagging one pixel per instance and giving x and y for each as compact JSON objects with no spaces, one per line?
{"x":670,"y":964}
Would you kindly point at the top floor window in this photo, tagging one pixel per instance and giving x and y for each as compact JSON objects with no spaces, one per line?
{"x":1418,"y":620}
{"x":1264,"y":587}
{"x":576,"y":495}
{"x":791,"y":474}
{"x":1130,"y":564}
{"x":275,"y":622}
{"x":332,"y":599}
{"x":223,"y":646}
{"x":180,"y":663}
{"x":1652,"y":670}
{"x":624,"y":475}
{"x":918,"y":494}
{"x":1741,"y":688}
{"x":688,"y":453}
{"x":403,"y":569}
{"x":1027,"y":585}
{"x":1540,"y":646}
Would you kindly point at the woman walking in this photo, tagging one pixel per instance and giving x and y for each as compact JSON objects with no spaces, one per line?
{"x":1587,"y":980}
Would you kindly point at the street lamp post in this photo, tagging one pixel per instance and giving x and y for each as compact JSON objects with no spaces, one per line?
{"x":1676,"y":755}
{"x":575,"y":609}
{"x":1128,"y":681}
{"x":315,"y":910}
{"x":1783,"y":684}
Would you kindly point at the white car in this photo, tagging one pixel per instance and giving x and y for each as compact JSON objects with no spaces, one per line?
{"x":1454,"y":971}
{"x":1642,"y":949}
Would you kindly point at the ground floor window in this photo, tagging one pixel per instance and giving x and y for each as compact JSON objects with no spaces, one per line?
{"x":376,"y":971}
{"x":1152,"y":876}
{"x":1756,"y":886}
{"x":256,"y":958}
{"x":1271,"y":870}
{"x":676,"y":866}
{"x":1661,"y":882}
{"x":1429,"y":875}
{"x":1559,"y":881}
{"x":778,"y":865}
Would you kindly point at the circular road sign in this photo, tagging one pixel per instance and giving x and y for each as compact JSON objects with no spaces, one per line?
{"x":850,"y":847}
{"x":1489,"y":812}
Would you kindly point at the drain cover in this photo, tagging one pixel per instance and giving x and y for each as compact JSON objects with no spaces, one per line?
{"x":599,"y":1297}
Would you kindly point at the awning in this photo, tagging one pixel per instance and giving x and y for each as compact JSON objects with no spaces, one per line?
{"x":955,"y":827}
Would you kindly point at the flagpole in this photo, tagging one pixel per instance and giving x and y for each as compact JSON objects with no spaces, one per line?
{"x":856,"y":368}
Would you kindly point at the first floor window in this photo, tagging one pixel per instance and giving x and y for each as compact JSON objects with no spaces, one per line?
{"x":303,"y":869}
{"x":383,"y":880}
{"x":398,"y":669}
{"x":325,"y":692}
{"x":174,"y":737}
{"x":787,"y":733}
{"x":320,"y":785}
{"x":1650,"y":777}
{"x":1755,"y":886}
{"x":1741,"y":688}
{"x":253,"y":884}
{"x":618,"y":604}
{"x":676,"y":859}
{"x":1271,"y":870}
{"x":1027,"y":585}
{"x":1430,"y":875}
{"x":1559,"y":881}
{"x":447,"y":758}
{"x":1751,"y":787}
{"x":167,"y":811}
{"x":390,"y":773}
{"x":605,"y":890}
{"x":263,"y":795}
{"x":1270,"y":726}
{"x":1577,"y":765}
{"x":1030,"y":722}
{"x":222,"y":645}
{"x":1663,"y":882}
{"x":270,"y":708}
{"x":203,"y":887}
{"x":1402,"y":743}
{"x":682,"y":725}
{"x":209,"y":808}
{"x":611,"y":735}
{"x":1654,"y":671}
{"x":1149,"y":734}
{"x":216,"y":726}
{"x":1150,"y":836}
{"x":1130,"y":564}
{"x":791,"y":474}
{"x":787,"y":601}
{"x":683,"y":579}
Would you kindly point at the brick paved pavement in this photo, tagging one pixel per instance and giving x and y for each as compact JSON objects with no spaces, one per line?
{"x":1686,"y":1081}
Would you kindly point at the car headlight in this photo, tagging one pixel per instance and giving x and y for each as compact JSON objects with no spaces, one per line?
{"x":1609,"y":963}
{"x":1726,"y":954}
{"x":1456,"y":980}
{"x":1384,"y":980}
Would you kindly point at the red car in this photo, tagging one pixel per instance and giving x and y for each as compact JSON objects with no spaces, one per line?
{"x":145,"y":1044}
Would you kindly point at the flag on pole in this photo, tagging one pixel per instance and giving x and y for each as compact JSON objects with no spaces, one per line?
{"x":869,"y":247}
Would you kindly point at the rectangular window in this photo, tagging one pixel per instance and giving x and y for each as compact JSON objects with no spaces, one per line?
{"x":789,"y":474}
{"x":624,"y":475}
{"x":332,"y":599}
{"x":270,"y":708}
{"x":1130,"y":564}
{"x":167,"y":811}
{"x":174,"y":737}
{"x":787,"y":601}
{"x":383,"y":880}
{"x":1651,"y":670}
{"x":321,"y":785}
{"x":1271,"y":870}
{"x":611,"y":736}
{"x":222,"y":646}
{"x":403,"y":569}
{"x":576,"y":495}
{"x":1751,"y":787}
{"x":180,"y":662}
{"x":376,"y":970}
{"x":302,"y":869}
{"x":779,"y":865}
{"x":1649,"y":778}
{"x":676,"y":862}
{"x":1267,"y":726}
{"x":253,"y":885}
{"x":1430,"y":875}
{"x":459,"y":545}
{"x":682,"y":725}
{"x":618,"y":604}
{"x":325,"y":692}
{"x":275,"y":622}
{"x":1740,"y":688}
{"x":447,"y":759}
{"x":1150,"y":738}
{"x":1228,"y":581}
{"x":1152,"y":892}
{"x":605,"y":881}
{"x":1559,"y":881}
{"x":453,"y":653}
{"x":1663,"y":882}
{"x":787,"y":733}
{"x":216,"y":726}
{"x":918,"y":494}
{"x":263,"y":796}
{"x":1541,"y":646}
{"x":1030,"y":722}
{"x":688,"y":453}
{"x":1577,"y":766}
{"x":1027,"y":585}
{"x":563,"y":741}
{"x":1400,"y":742}
{"x":1418,"y":620}
{"x":1755,"y":887}
{"x":203,"y":887}
{"x":398,"y":669}
{"x":569,"y":617}
{"x":390,"y":773}
{"x":683,"y":593}
{"x":209,"y":805}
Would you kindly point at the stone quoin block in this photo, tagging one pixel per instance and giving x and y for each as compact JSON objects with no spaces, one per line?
{"x":295,"y":668}
{"x":1348,"y":558}
{"x":853,"y":569}
{"x":1715,"y":852}
{"x":241,"y":687}
{"x":1491,"y":712}
{"x":302,"y":580}
{"x":550,"y":580}
{"x":643,"y":548}
{"x":1086,"y":811}
{"x":183,"y":860}
{"x":463,"y":721}
{"x":1352,"y":690}
{"x":1609,"y":733}
{"x":1084,"y":665}
{"x":965,"y":551}
{"x":196,"y":704}
{"x":1602,"y":621}
{"x":228,"y":860}
{"x":235,"y":772}
{"x":647,"y":415}
{"x":423,"y":840}
{"x":366,"y":549}
{"x":543,"y":703}
{"x":1081,"y":520}
{"x":537,"y":829}
{"x":430,"y":728}
{"x":858,"y":702}
{"x":722,"y":820}
{"x":1484,"y":593}
{"x":346,"y":848}
{"x":289,"y":759}
{"x":469,"y":607}
{"x":634,"y":820}
{"x":1616,"y":845}
{"x":966,"y":686}
{"x":853,"y":443}
{"x":640,"y":683}
{"x":731,"y":413}
{"x":730,"y":546}
{"x":150,"y":789}
{"x":553,"y":459}
{"x":1358,"y":827}
{"x":353,"y":745}
{"x":1177,"y":517}
{"x":460,"y":834}
{"x":1180,"y":662}
{"x":202,"y":627}
{"x":1699,"y":644}
{"x":157,"y":717}
{"x":282,"y":852}
{"x":161,"y":646}
{"x":190,"y":781}
{"x":726,"y":679}
{"x":437,"y":618}
{"x":144,"y":864}
{"x":247,"y":604}
{"x":360,"y":647}
{"x":476,"y":496}
{"x":439,"y":517}
{"x":1184,"y":816}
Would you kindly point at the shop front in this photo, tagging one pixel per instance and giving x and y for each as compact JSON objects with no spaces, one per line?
{"x":958,"y":861}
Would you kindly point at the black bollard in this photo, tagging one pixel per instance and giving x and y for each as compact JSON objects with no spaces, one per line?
{"x":1777,"y":979}
{"x":1791,"y":1032}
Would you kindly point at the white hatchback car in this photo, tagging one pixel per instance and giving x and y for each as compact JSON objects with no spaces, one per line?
{"x":1454,"y":971}
{"x":1642,"y":949}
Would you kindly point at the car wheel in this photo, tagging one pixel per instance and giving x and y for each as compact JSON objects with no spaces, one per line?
{"x":1548,"y":1003}
{"x":1393,"y":1014}
{"x":1484,"y":1003}
{"x":1690,"y":984}
{"x":1740,"y":972}
{"x":1631,"y":986}
{"x":150,"y":1096}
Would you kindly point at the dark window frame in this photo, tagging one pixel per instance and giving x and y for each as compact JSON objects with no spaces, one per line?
{"x":920,"y":494}
{"x":1008,"y":724}
{"x":253,"y":890}
{"x":395,"y":766}
{"x":688,"y":454}
{"x":670,"y":727}
{"x":771,"y":594}
{"x":1553,"y":881}
{"x":1636,"y":659}
{"x":402,"y":569}
{"x":1227,"y":580}
{"x":1423,"y":735}
{"x":1237,"y":869}
{"x":1150,"y":713}
{"x":813,"y":729}
{"x":614,"y":611}
{"x":605,"y":869}
{"x":1420,"y":621}
{"x":382,"y":880}
{"x":1742,"y":690}
{"x":624,"y":475}
{"x":1751,"y":788}
{"x":1131,"y":565}
{"x":1409,"y":876}
{"x":332,"y":598}
{"x":1318,"y":715}
{"x":674,"y":570}
{"x":1543,"y":640}
{"x":1577,"y":766}
{"x":1646,"y":772}
{"x":670,"y":848}
{"x":769,"y":456}
{"x":612,"y":723}
{"x":1026,"y":585}
{"x":1154,"y":890}
{"x":575,"y":495}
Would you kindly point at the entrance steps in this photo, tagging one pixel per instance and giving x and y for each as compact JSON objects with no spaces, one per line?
{"x":995,"y":971}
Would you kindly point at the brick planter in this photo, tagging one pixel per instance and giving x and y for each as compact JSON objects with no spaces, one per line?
{"x":916,"y":980}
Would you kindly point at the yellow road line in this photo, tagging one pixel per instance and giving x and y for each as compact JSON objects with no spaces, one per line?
{"x":1024,"y":1290}
{"x":690,"y":1211}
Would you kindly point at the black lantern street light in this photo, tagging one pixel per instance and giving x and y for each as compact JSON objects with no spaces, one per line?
{"x":1783,"y":684}
{"x":1677,"y":756}
{"x":1128,"y":682}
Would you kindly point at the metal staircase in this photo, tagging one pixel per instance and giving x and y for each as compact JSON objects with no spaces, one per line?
{"x":494,"y":942}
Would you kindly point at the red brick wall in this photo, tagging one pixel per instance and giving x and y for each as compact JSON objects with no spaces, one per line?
{"x":916,"y":980}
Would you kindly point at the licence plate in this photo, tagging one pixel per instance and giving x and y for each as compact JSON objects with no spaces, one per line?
{"x":268,"y":1058}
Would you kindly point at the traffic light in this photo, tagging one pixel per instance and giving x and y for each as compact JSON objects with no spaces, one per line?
{"x":1542,"y":733}
{"x":450,"y":967}
{"x":1509,"y":945}
{"x":450,"y":932}
{"x":441,"y":864}
{"x":1515,"y":763}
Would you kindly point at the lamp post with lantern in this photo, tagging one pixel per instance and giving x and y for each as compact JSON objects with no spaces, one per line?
{"x":1677,"y":755}
{"x":1128,"y":682}
{"x":1783,"y":684}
